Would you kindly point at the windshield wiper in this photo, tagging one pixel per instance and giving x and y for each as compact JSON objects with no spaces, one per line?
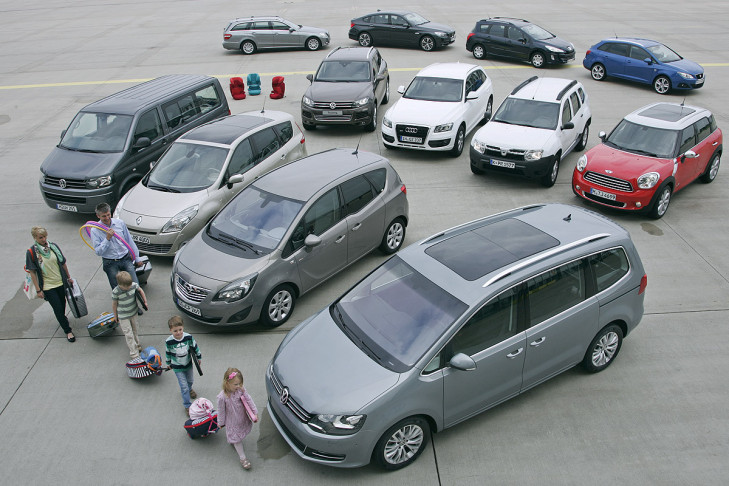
{"x":162,"y":188}
{"x":356,"y":340}
{"x":233,"y":241}
{"x":641,"y":152}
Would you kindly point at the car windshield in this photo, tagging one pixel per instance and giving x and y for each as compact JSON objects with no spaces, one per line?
{"x":395,"y":314}
{"x":643,"y":140}
{"x":97,"y":132}
{"x":187,"y":167}
{"x":536,"y":32}
{"x":337,"y":71}
{"x":255,"y":219}
{"x":415,"y":19}
{"x":435,"y":89}
{"x":528,"y":113}
{"x":664,"y":53}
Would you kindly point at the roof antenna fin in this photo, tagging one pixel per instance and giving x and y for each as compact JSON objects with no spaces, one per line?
{"x":568,"y":218}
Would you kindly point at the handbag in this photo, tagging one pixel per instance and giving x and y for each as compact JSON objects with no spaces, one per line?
{"x":28,"y":287}
{"x":249,"y":411}
{"x":76,"y":300}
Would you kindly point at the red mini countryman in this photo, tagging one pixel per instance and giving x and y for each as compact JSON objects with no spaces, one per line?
{"x":653,"y":152}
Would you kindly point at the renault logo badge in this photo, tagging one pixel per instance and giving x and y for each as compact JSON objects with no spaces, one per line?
{"x":139,"y":220}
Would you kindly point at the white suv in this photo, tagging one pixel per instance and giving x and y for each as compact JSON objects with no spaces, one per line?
{"x":442,"y":104}
{"x":535,"y":127}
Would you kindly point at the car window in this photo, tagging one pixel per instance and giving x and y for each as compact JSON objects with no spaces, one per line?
{"x":242,"y":158}
{"x":321,"y":216}
{"x":555,"y":291}
{"x":575,"y":99}
{"x":498,"y":30}
{"x":687,"y":140}
{"x":265,"y":143}
{"x":181,"y":111}
{"x":615,"y":48}
{"x":528,"y":113}
{"x":285,"y":131}
{"x":483,"y":28}
{"x":261,"y":26}
{"x":703,"y":129}
{"x":537,"y":32}
{"x":397,"y":20}
{"x":608,"y":267}
{"x":97,"y":132}
{"x":357,"y":193}
{"x":334,"y":71}
{"x":377,"y":178}
{"x":435,"y":89}
{"x":490,"y":325}
{"x":207,"y":98}
{"x":582,"y":94}
{"x":187,"y":167}
{"x":713,"y":123}
{"x":515,"y":33}
{"x":664,"y":53}
{"x":638,"y":53}
{"x":380,"y":19}
{"x":243,"y":26}
{"x":644,"y":140}
{"x":148,"y":126}
{"x":566,"y":113}
{"x":279,"y":26}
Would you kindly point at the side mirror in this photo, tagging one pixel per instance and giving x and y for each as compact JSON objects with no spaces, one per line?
{"x":648,"y":61}
{"x":401,"y":89}
{"x":523,"y":40}
{"x":142,"y":142}
{"x":63,"y":134}
{"x":152,"y":164}
{"x":312,"y":240}
{"x":380,"y":77}
{"x":602,"y":136}
{"x":310,"y":77}
{"x":690,"y":154}
{"x":568,"y":126}
{"x":472,"y":96}
{"x":234,"y":179}
{"x":462,"y":362}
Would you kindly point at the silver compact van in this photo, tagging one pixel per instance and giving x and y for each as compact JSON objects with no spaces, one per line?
{"x":109,"y":145}
{"x":451,"y":326}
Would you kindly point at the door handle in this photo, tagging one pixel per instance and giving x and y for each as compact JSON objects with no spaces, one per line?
{"x":514,"y":354}
{"x":283,"y":156}
{"x":715,"y":144}
{"x":339,"y":240}
{"x":356,"y":226}
{"x":538,"y":341}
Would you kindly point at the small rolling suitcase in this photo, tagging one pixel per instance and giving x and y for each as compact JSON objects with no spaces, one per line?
{"x":203,"y":419}
{"x":102,"y":325}
{"x":76,"y":300}
{"x":143,"y":271}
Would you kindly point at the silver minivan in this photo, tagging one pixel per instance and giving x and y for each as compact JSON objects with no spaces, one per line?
{"x":451,"y":326}
{"x":201,"y":172}
{"x":288,"y":232}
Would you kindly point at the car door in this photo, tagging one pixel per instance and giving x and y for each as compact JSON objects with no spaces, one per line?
{"x":635,"y":66}
{"x":364,"y":211}
{"x":379,"y":75}
{"x":706,"y":143}
{"x":517,"y":44}
{"x":562,"y":322}
{"x":496,"y":40}
{"x":379,"y":26}
{"x":476,"y":83}
{"x":567,"y":136}
{"x":282,"y":35}
{"x":613,"y":56}
{"x":401,"y":33}
{"x":135,"y":166}
{"x":493,"y":338}
{"x":263,"y":35}
{"x":580,"y":117}
{"x":685,"y":167}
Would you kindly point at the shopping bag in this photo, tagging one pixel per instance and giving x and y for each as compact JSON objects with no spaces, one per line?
{"x":28,"y":287}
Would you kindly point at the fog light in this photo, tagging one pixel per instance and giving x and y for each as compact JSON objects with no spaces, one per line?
{"x":577,"y":188}
{"x":638,"y":205}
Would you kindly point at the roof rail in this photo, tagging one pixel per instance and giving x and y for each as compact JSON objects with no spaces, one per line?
{"x":510,"y":18}
{"x":334,"y":50}
{"x":566,"y":88}
{"x":516,"y":90}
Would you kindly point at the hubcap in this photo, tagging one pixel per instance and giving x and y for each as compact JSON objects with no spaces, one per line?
{"x":597,"y":72}
{"x":605,"y":349}
{"x":489,"y":109}
{"x":555,"y":170}
{"x":403,"y":444}
{"x":478,"y":52}
{"x":537,"y":60}
{"x":714,"y":168}
{"x":279,"y":306}
{"x":663,"y":202}
{"x":461,"y":138}
{"x":427,"y":44}
{"x":394,"y":236}
{"x":313,"y":44}
{"x":248,"y":48}
{"x":585,"y":134}
{"x":364,"y":39}
{"x":662,"y":85}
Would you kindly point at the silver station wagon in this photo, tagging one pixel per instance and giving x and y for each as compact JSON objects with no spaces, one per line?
{"x":452,"y":326}
{"x":251,"y":34}
{"x":288,"y":232}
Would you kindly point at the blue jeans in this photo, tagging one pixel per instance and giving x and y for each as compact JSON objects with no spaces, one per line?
{"x":184,"y":378}
{"x":112,"y":267}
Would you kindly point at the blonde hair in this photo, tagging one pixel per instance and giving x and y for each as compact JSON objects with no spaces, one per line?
{"x":228,"y":380}
{"x":124,"y":279}
{"x":37,"y":231}
{"x":175,"y":321}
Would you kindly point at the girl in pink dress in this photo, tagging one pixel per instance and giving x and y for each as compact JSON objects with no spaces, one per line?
{"x":232,"y":412}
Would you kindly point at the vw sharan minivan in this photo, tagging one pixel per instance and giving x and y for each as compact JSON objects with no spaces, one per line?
{"x":451,"y":326}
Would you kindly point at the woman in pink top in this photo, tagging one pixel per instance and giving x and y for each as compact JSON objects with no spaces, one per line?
{"x":232,"y":412}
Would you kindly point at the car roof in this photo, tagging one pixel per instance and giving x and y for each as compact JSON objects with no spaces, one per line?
{"x":257,"y":17}
{"x":303,"y":178}
{"x":456,"y":70}
{"x":633,"y":40}
{"x":507,"y":20}
{"x":495,"y":252}
{"x":349,"y":53}
{"x":667,"y":115}
{"x":396,"y":12}
{"x":544,"y":89}
{"x":227,"y":130}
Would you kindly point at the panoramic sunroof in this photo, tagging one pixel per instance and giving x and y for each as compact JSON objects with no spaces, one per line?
{"x":481,"y":251}
{"x":666,"y":112}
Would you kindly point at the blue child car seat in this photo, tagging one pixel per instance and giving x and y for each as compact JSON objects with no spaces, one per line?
{"x":254,"y":84}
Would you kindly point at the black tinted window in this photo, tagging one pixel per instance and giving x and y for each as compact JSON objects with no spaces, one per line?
{"x":285,"y":131}
{"x":377,"y":178}
{"x":498,"y":30}
{"x":609,"y":267}
{"x":265,"y":143}
{"x":357,"y":193}
{"x":180,"y":111}
{"x":703,"y":129}
{"x":490,"y":325}
{"x":555,"y":291}
{"x":321,"y":216}
{"x":638,"y":53}
{"x":242,"y":158}
{"x":688,"y":139}
{"x":243,"y":26}
{"x":612,"y":48}
{"x":148,"y":126}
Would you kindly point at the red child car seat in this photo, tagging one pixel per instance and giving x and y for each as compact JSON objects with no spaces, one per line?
{"x":279,"y":87}
{"x":237,"y":88}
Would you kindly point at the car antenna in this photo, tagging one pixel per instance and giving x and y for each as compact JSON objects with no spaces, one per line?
{"x":263,"y":108}
{"x":568,"y":218}
{"x":356,"y":150}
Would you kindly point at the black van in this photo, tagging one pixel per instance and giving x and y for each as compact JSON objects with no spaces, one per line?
{"x":110,"y":143}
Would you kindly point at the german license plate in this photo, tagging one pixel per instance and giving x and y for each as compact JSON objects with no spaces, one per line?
{"x":603,"y":194}
{"x":331,"y":112}
{"x":140,"y":239}
{"x":404,"y":138}
{"x":503,"y":163}
{"x":66,"y":207}
{"x":188,"y":307}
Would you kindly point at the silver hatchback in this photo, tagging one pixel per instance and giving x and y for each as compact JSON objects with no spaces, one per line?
{"x":250,"y":34}
{"x":451,"y":326}
{"x":288,"y":232}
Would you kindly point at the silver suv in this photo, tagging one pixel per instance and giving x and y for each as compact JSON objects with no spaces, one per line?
{"x":288,"y":232}
{"x":250,"y":34}
{"x":452,"y":326}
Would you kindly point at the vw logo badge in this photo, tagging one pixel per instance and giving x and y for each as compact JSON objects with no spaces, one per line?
{"x":62,"y":183}
{"x":332,"y":105}
{"x":139,"y":220}
{"x":608,"y":171}
{"x":284,"y":396}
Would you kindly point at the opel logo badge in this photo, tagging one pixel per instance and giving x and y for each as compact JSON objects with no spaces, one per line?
{"x":139,"y":220}
{"x":332,"y":105}
{"x":285,"y":396}
{"x":62,"y":183}
{"x":504,"y":152}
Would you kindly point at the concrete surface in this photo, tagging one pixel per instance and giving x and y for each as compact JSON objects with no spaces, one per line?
{"x":69,"y":414}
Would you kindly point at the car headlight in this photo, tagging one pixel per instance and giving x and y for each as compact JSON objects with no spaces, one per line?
{"x":646,"y":181}
{"x":307,"y":101}
{"x":441,"y":34}
{"x":98,"y":182}
{"x":362,"y":102}
{"x":478,"y":146}
{"x":180,"y":220}
{"x":337,"y":424}
{"x":554,"y":49}
{"x":533,"y":154}
{"x":120,"y":205}
{"x":237,"y":289}
{"x":444,"y":127}
{"x":387,"y":122}
{"x":581,"y":163}
{"x":685,"y":75}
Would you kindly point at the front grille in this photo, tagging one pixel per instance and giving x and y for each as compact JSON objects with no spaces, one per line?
{"x":67,"y":183}
{"x":306,"y":450}
{"x":65,"y":199}
{"x":504,"y":154}
{"x":608,"y":181}
{"x":342,"y":118}
{"x":411,"y":131}
{"x":291,"y":404}
{"x":189,"y":292}
{"x":152,"y":248}
{"x":333,"y":105}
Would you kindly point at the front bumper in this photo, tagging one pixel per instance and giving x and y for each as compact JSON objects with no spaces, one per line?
{"x":418,"y":137}
{"x":637,"y":200}
{"x":360,"y":116}
{"x":559,"y":58}
{"x":76,"y":200}
{"x":678,"y":82}
{"x":532,"y":169}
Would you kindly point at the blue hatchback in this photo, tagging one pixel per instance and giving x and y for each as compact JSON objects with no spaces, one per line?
{"x":645,"y":61}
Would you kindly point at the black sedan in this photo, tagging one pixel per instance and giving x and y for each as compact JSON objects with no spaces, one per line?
{"x":400,"y":28}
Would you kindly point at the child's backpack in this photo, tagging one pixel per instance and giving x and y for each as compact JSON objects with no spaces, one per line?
{"x":203,"y":419}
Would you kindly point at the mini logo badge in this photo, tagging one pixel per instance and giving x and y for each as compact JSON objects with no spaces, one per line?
{"x":332,"y":105}
{"x":62,"y":183}
{"x":285,"y":396}
{"x":139,"y":220}
{"x":608,"y":171}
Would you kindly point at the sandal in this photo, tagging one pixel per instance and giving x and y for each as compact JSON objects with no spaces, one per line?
{"x":245,"y":463}
{"x":71,"y":339}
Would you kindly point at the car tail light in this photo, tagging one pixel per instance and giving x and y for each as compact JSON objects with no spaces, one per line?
{"x":469,"y":36}
{"x":303,"y":137}
{"x":404,"y":189}
{"x":227,"y":36}
{"x":643,"y":284}
{"x":588,"y":52}
{"x":351,"y":25}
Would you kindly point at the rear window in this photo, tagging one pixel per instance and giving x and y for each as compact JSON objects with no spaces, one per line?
{"x":608,"y":267}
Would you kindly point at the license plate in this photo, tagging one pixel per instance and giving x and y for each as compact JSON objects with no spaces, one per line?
{"x":331,"y":112}
{"x":503,"y":163}
{"x":140,"y":239}
{"x":66,"y":207}
{"x":188,"y":307}
{"x":603,"y":194}
{"x":404,"y":138}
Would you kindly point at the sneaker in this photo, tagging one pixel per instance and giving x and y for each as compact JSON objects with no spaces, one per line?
{"x":193,"y":394}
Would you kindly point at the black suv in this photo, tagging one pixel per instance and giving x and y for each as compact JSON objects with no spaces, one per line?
{"x":400,"y":28}
{"x":346,"y":89}
{"x":518,"y":39}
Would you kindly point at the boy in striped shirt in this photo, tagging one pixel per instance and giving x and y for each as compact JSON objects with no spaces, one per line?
{"x":179,"y":347}
{"x":124,"y":305}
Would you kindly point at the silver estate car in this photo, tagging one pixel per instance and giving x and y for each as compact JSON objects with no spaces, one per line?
{"x":250,"y":34}
{"x":288,"y":232}
{"x":451,"y":326}
{"x":201,"y":172}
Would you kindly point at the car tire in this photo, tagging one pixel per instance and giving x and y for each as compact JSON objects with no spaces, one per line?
{"x":711,"y":170}
{"x":603,"y":349}
{"x":489,"y":110}
{"x":537,"y":59}
{"x":550,"y":178}
{"x":660,"y":206}
{"x":598,"y":72}
{"x":427,"y":43}
{"x":402,"y":443}
{"x":313,"y":44}
{"x":479,"y":51}
{"x":386,"y":97}
{"x":662,"y":85}
{"x":248,"y":47}
{"x":476,"y":170}
{"x":372,"y":126}
{"x":459,"y":142}
{"x":364,"y":39}
{"x":583,"y":138}
{"x":278,"y":306}
{"x":394,"y":236}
